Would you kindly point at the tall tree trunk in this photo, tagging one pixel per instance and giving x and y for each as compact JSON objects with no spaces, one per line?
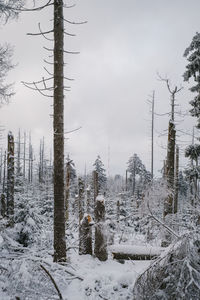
{"x":58,"y":128}
{"x":133,"y":179}
{"x":19,"y":154}
{"x":4,"y":174}
{"x":24,"y":162}
{"x":10,"y":178}
{"x":176,"y":183}
{"x":80,"y":209}
{"x":126,"y":182}
{"x":168,"y":205}
{"x":67,"y":188}
{"x":96,"y":185}
{"x":1,"y":166}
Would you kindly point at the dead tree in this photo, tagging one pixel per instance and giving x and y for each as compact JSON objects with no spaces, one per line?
{"x":168,"y":205}
{"x":81,"y":210}
{"x":1,"y":165}
{"x":19,"y":154}
{"x":10,"y":178}
{"x":176,"y":188}
{"x":88,"y":199}
{"x":126,"y":181}
{"x":24,"y":157}
{"x":55,"y":84}
{"x":100,"y":246}
{"x":67,"y":188}
{"x":41,"y":164}
{"x":58,"y":128}
{"x":3,"y":205}
{"x":96,"y":185}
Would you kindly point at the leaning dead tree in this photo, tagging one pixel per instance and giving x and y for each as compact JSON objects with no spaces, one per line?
{"x":10,"y":178}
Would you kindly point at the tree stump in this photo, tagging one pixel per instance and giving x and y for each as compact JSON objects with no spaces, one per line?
{"x":86,"y":235}
{"x":100,"y":247}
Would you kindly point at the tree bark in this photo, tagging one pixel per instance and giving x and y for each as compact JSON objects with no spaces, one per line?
{"x":67,"y":187}
{"x":86,"y":235}
{"x":176,"y":181}
{"x":168,"y":205}
{"x":100,"y":247}
{"x":96,"y":185}
{"x":80,"y":209}
{"x":10,"y":178}
{"x":58,"y":126}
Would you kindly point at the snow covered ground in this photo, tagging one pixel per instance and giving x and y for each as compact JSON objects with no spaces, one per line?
{"x":104,"y":280}
{"x":82,"y":277}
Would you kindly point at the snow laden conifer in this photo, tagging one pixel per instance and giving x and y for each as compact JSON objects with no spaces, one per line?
{"x":136,"y":167}
{"x":192,"y":53}
{"x":102,"y":179}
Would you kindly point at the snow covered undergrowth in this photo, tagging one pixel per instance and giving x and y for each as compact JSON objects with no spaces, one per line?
{"x":83,"y":277}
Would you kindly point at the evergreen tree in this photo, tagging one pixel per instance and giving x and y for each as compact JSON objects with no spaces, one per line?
{"x":192,"y":53}
{"x":136,"y":167}
{"x":102,"y":179}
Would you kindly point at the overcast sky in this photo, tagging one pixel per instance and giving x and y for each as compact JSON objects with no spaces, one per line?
{"x":121,"y":47}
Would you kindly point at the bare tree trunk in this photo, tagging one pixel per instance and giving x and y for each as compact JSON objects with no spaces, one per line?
{"x":133,"y":179}
{"x":118,"y":210}
{"x":176,"y":181}
{"x":168,"y":205}
{"x":58,"y":124}
{"x":19,"y":154}
{"x":24,"y":162}
{"x":4,"y":174}
{"x":164,"y":169}
{"x":41,"y":165}
{"x":80,"y":209}
{"x":67,"y":187}
{"x":3,"y":205}
{"x":1,"y":167}
{"x":88,"y":196}
{"x":152,"y":134}
{"x":126,"y":187}
{"x":96,"y":185}
{"x":10,"y":179}
{"x":100,"y":247}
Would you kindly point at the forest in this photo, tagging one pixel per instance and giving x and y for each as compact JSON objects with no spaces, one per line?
{"x":73,"y":231}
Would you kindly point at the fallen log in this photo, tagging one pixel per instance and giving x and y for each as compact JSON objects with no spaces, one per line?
{"x":129,"y":252}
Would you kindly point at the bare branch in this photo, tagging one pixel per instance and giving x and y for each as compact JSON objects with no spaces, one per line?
{"x":48,"y":71}
{"x":48,"y":62}
{"x":71,"y":52}
{"x":69,"y":34}
{"x":53,"y":281}
{"x":75,"y":23}
{"x":161,"y":223}
{"x":73,"y":130}
{"x":48,"y":49}
{"x":33,"y":9}
{"x":28,"y":85}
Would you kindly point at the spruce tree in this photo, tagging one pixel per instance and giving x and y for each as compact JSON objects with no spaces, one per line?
{"x":102,"y":179}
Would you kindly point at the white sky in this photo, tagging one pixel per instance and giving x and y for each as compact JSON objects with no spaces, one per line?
{"x":121,"y":47}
